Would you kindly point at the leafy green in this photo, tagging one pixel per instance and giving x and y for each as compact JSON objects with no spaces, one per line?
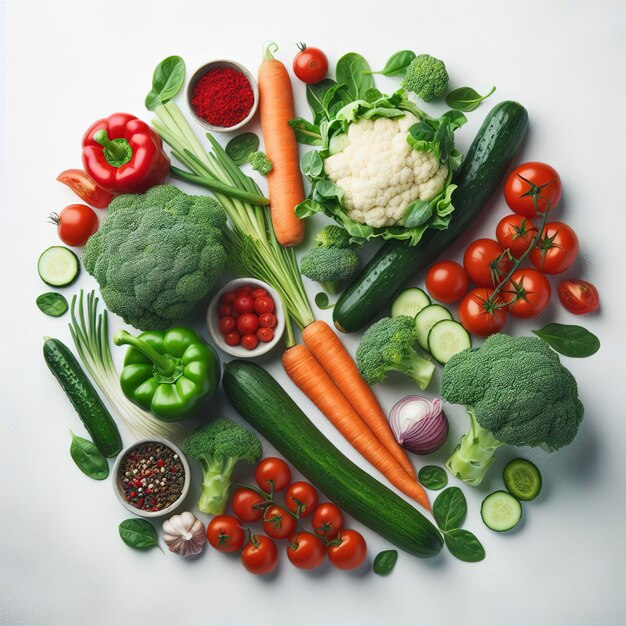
{"x":167,"y":81}
{"x":138,"y":533}
{"x":311,"y":164}
{"x":325,"y":98}
{"x":437,"y":136}
{"x":353,"y":71}
{"x":397,"y":63}
{"x":322,"y":301}
{"x":88,"y":458}
{"x":433,"y":477}
{"x":569,"y":339}
{"x":239,"y":147}
{"x":450,"y":508}
{"x":52,"y":303}
{"x":385,"y":561}
{"x":306,"y":132}
{"x":464,"y":545}
{"x":465,"y":98}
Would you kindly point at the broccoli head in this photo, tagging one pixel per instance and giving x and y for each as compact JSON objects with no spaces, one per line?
{"x":517,"y":393}
{"x":426,"y":77}
{"x":260,"y":163}
{"x":332,"y":236}
{"x":157,"y":254}
{"x":389,"y":344}
{"x":218,"y":446}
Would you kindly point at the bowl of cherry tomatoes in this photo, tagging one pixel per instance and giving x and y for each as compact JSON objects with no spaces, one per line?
{"x":245,"y":318}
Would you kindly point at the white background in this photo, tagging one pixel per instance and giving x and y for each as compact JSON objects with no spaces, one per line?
{"x":65,"y":64}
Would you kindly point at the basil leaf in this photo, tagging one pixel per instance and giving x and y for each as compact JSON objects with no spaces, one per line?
{"x":52,"y":303}
{"x":397,"y":63}
{"x":350,"y":71}
{"x":322,"y":301}
{"x":569,"y":339}
{"x":311,"y":164}
{"x":385,"y":561}
{"x":239,"y":147}
{"x":315,"y":98}
{"x":450,"y":508}
{"x":465,"y":98}
{"x":167,"y":81}
{"x":433,"y":477}
{"x":88,"y":458}
{"x":138,"y":533}
{"x":417,"y":213}
{"x":464,"y":545}
{"x":306,"y":132}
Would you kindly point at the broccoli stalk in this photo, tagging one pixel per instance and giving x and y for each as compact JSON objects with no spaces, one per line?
{"x":217,"y":473}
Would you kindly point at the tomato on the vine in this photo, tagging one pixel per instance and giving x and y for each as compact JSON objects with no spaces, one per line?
{"x":278,"y":523}
{"x":516,"y":233}
{"x":272,"y":473}
{"x":479,"y":315}
{"x":75,"y":224}
{"x":578,"y":296}
{"x":348,"y":550}
{"x":446,"y":281}
{"x":486,"y":263}
{"x":310,"y":65}
{"x":531,"y":183}
{"x":260,"y":555}
{"x":306,"y":550}
{"x":225,"y":533}
{"x":247,"y":503}
{"x":327,"y":520}
{"x":301,"y":498}
{"x":528,"y":293}
{"x":556,"y":249}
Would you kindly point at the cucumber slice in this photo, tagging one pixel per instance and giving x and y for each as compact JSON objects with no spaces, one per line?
{"x":447,"y":338}
{"x":426,"y":319}
{"x":58,"y":266}
{"x":409,"y":302}
{"x":501,"y":511}
{"x":522,"y":479}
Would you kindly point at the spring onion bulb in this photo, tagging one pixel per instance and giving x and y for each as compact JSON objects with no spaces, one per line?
{"x":419,"y":425}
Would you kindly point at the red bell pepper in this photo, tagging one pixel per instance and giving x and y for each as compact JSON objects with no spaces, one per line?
{"x":124,"y":155}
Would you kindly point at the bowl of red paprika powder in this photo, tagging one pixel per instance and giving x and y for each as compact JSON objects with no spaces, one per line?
{"x":222,"y":95}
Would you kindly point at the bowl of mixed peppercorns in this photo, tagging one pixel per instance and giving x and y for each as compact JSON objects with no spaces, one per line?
{"x":151,"y":477}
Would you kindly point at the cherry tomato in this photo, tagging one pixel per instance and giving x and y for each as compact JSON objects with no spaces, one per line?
{"x":516,"y":233}
{"x":247,"y":323}
{"x":310,"y":65}
{"x":264,"y":305}
{"x":245,"y":290}
{"x":529,"y":182}
{"x":556,"y":250}
{"x":272,"y":474}
{"x":528,"y":291}
{"x":86,"y":188}
{"x":225,"y":534}
{"x":227,"y":324}
{"x":245,"y":505}
{"x":301,"y":498}
{"x":75,"y":224}
{"x":306,"y":550}
{"x":477,"y":316}
{"x":481,"y":262}
{"x":348,"y":550}
{"x":228,"y":297}
{"x":224,"y":309}
{"x":327,"y":520}
{"x":249,"y":342}
{"x":244,"y":303}
{"x":578,"y":296}
{"x":267,"y":320}
{"x":259,"y":293}
{"x":446,"y":281}
{"x":279,"y":523}
{"x":265,"y":334}
{"x":260,"y":555}
{"x":233,"y":338}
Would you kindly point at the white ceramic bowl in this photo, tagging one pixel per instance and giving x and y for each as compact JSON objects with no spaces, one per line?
{"x":211,"y":65}
{"x":212,"y":320}
{"x":118,"y":490}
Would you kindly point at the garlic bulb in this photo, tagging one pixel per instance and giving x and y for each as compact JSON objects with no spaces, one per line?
{"x":184,"y":534}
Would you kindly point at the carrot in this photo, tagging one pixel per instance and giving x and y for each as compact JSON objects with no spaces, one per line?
{"x":311,"y":378}
{"x":332,"y":355}
{"x":284,"y":181}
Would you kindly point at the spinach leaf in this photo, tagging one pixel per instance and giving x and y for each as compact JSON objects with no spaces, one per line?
{"x":315,"y":98}
{"x":138,"y":533}
{"x":397,"y":63}
{"x":327,"y":190}
{"x":465,"y":98}
{"x":307,"y":208}
{"x":239,"y":147}
{"x":88,"y":458}
{"x":433,"y":477}
{"x":167,"y":81}
{"x":450,"y":509}
{"x":569,"y":339}
{"x":322,"y":301}
{"x":52,"y":303}
{"x":306,"y":132}
{"x":385,"y":561}
{"x":464,"y":545}
{"x":417,"y":213}
{"x":311,"y":164}
{"x":350,"y":71}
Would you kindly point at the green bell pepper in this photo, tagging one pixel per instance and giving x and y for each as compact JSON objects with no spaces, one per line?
{"x":170,"y":374}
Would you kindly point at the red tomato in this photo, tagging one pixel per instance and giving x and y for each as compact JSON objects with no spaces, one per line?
{"x":348,"y":550}
{"x":244,"y":303}
{"x":265,"y":334}
{"x":528,"y":291}
{"x":306,"y":550}
{"x":233,"y":338}
{"x":301,"y":498}
{"x":245,"y":504}
{"x":310,"y":65}
{"x":249,"y":342}
{"x":446,"y":281}
{"x":264,"y":305}
{"x":272,"y":474}
{"x":75,"y":224}
{"x":327,"y":520}
{"x":529,"y":182}
{"x":278,"y":523}
{"x":556,"y":250}
{"x":477,"y":316}
{"x":225,"y":534}
{"x":267,"y":320}
{"x":228,"y":297}
{"x":247,"y":323}
{"x":481,"y":262}
{"x":224,"y":309}
{"x":260,"y":555}
{"x":259,"y":293}
{"x":86,"y":188}
{"x":516,"y":233}
{"x":227,"y":324}
{"x":246,"y":290}
{"x":578,"y":296}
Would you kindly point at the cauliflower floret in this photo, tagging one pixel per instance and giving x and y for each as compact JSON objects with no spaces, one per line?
{"x":381,"y":174}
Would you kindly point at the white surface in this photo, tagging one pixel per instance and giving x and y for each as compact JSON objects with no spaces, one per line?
{"x":68,"y":63}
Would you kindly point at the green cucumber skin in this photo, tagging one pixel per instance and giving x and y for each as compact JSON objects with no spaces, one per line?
{"x":78,"y":388}
{"x":479,"y":177}
{"x":266,"y":406}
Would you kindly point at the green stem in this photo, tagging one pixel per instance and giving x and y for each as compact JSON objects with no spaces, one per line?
{"x":166,"y":365}
{"x":117,"y":152}
{"x":269,"y":48}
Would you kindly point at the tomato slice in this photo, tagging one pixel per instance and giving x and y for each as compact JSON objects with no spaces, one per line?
{"x":86,"y":188}
{"x":578,"y":296}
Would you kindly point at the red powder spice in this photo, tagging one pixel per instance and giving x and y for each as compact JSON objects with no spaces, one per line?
{"x":223,"y":97}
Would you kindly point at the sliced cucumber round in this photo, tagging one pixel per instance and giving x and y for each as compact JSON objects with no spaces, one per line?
{"x":522,"y":479}
{"x":501,"y":511}
{"x":447,"y":338}
{"x":58,"y":266}
{"x":426,"y":319}
{"x":409,"y":302}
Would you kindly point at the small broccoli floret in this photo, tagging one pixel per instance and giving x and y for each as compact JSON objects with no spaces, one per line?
{"x":389,"y":345}
{"x":426,"y":77}
{"x":218,"y":446}
{"x":329,"y":266}
{"x":517,"y":393}
{"x":260,"y":163}
{"x":332,"y":236}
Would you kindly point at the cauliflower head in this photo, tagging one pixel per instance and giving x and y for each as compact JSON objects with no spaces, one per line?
{"x":381,"y":174}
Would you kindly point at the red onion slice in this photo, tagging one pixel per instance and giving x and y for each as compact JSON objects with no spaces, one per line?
{"x":419,"y":425}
